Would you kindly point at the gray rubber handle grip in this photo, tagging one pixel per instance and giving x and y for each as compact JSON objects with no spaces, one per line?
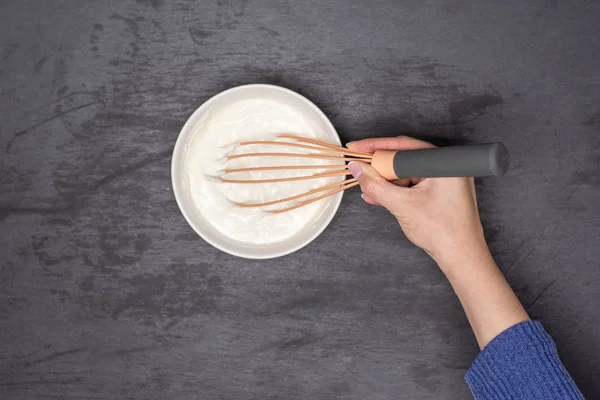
{"x":456,"y":161}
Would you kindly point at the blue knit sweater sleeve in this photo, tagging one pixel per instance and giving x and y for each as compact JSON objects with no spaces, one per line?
{"x":521,"y":363}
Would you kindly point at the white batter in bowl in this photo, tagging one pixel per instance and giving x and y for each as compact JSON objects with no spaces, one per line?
{"x":251,"y":112}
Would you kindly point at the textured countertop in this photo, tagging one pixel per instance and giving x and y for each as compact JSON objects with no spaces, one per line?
{"x":107,"y":293}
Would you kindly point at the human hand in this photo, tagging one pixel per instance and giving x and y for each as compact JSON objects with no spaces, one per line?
{"x":439,"y":215}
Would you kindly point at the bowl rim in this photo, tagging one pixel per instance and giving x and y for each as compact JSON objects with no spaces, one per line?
{"x":176,"y":175}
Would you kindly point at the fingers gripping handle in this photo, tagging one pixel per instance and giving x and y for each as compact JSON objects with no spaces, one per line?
{"x":475,"y":160}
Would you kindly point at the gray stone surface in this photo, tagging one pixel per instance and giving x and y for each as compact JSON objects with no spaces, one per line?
{"x":106,"y":293}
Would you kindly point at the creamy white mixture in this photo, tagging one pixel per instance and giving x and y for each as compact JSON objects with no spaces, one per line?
{"x":252,"y":119}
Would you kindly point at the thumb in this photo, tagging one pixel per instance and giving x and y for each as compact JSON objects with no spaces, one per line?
{"x":375,"y":186}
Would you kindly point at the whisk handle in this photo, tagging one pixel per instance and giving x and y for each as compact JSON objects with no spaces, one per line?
{"x":479,"y":160}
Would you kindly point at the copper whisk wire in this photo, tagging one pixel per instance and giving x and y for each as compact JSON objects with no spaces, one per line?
{"x":318,"y":150}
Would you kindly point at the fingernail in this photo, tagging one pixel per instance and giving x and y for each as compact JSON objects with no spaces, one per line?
{"x":349,"y":144}
{"x":354,"y":169}
{"x":362,"y":196}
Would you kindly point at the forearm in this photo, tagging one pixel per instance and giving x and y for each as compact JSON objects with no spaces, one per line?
{"x":489,"y":303}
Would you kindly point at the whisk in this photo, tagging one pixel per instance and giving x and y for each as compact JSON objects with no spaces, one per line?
{"x":480,"y":160}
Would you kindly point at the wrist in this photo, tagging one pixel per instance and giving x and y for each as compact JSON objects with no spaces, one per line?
{"x":489,"y":302}
{"x":460,"y":255}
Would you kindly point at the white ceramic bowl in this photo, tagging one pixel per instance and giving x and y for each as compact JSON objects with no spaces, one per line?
{"x":194,"y":216}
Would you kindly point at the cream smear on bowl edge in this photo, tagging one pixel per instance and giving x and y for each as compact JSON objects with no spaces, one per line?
{"x":205,"y":157}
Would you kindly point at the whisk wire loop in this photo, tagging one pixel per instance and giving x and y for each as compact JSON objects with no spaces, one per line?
{"x":317,"y":150}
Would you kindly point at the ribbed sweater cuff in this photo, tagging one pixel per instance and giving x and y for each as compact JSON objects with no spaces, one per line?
{"x":521,"y":363}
